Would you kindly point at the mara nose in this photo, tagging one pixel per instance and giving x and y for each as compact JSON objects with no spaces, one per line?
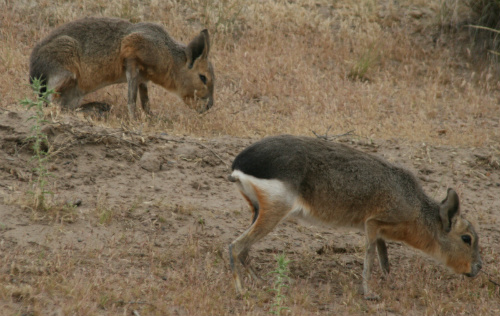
{"x":475,"y":269}
{"x":210,"y":103}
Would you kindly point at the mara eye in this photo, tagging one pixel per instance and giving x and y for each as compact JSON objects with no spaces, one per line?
{"x":466,"y":239}
{"x":203,"y":79}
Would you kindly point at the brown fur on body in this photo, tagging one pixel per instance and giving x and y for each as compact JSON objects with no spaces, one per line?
{"x":337,"y":185}
{"x":88,"y":54}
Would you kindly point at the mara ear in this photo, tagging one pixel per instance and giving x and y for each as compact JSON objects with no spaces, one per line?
{"x":448,"y":209}
{"x":198,"y":48}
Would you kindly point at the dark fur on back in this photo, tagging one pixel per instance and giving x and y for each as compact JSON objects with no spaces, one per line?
{"x":285,"y":157}
{"x":350,"y":178}
{"x":265,"y":160}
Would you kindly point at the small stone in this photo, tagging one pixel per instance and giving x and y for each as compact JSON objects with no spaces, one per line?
{"x":150,"y":162}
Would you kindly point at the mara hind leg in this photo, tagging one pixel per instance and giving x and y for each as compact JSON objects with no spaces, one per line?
{"x":65,"y":85}
{"x":244,"y":257}
{"x":143,"y":94}
{"x":58,"y":62}
{"x":383,"y":260}
{"x":267,"y":214}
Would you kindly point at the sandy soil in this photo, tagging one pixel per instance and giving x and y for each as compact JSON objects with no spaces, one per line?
{"x":167,"y":188}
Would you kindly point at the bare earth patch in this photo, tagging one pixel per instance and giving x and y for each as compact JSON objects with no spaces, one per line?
{"x":153,"y":216}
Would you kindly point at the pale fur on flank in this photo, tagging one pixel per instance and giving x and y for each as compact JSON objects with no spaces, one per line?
{"x":336,"y":185}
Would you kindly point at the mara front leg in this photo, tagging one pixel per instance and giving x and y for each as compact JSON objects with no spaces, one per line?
{"x":383,"y":258}
{"x":132,"y":73}
{"x":371,"y":246}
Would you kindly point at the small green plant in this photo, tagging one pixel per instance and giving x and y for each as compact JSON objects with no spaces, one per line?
{"x":103,"y":301}
{"x":201,"y":221}
{"x":367,"y":60}
{"x":280,"y":282}
{"x":106,"y":216}
{"x":40,"y":141}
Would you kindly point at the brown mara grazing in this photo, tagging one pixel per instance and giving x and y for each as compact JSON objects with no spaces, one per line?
{"x":88,"y":54}
{"x":334,"y":184}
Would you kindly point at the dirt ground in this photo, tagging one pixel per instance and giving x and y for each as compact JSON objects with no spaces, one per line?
{"x":171,"y":193}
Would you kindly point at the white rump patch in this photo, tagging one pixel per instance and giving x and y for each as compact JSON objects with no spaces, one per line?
{"x":278,"y":191}
{"x":275,"y":190}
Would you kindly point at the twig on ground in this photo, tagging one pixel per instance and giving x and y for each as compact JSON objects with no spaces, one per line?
{"x":495,"y":283}
{"x":326,"y":137}
{"x":489,"y":278}
{"x":136,"y":313}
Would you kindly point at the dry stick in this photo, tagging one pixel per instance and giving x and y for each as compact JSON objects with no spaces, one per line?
{"x":326,"y":133}
{"x":213,"y":152}
{"x":134,"y":302}
{"x":326,"y":137}
{"x":489,"y":278}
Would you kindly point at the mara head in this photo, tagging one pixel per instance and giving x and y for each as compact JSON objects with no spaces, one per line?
{"x":459,"y":240}
{"x":196,"y":77}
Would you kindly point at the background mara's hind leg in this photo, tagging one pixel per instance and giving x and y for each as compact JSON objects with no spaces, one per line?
{"x":68,"y":95}
{"x":143,"y":93}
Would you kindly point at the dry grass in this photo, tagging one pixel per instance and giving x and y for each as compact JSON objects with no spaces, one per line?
{"x":293,"y":67}
{"x":378,"y":68}
{"x":145,"y":270}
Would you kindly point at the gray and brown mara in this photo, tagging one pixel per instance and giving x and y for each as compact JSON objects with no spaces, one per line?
{"x":334,"y":184}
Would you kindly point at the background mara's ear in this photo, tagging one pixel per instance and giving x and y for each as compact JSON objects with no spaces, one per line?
{"x":448,"y":209}
{"x":198,"y":48}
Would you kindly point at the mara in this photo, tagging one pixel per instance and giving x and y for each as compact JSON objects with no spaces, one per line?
{"x":88,"y":54}
{"x":340,"y":186}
